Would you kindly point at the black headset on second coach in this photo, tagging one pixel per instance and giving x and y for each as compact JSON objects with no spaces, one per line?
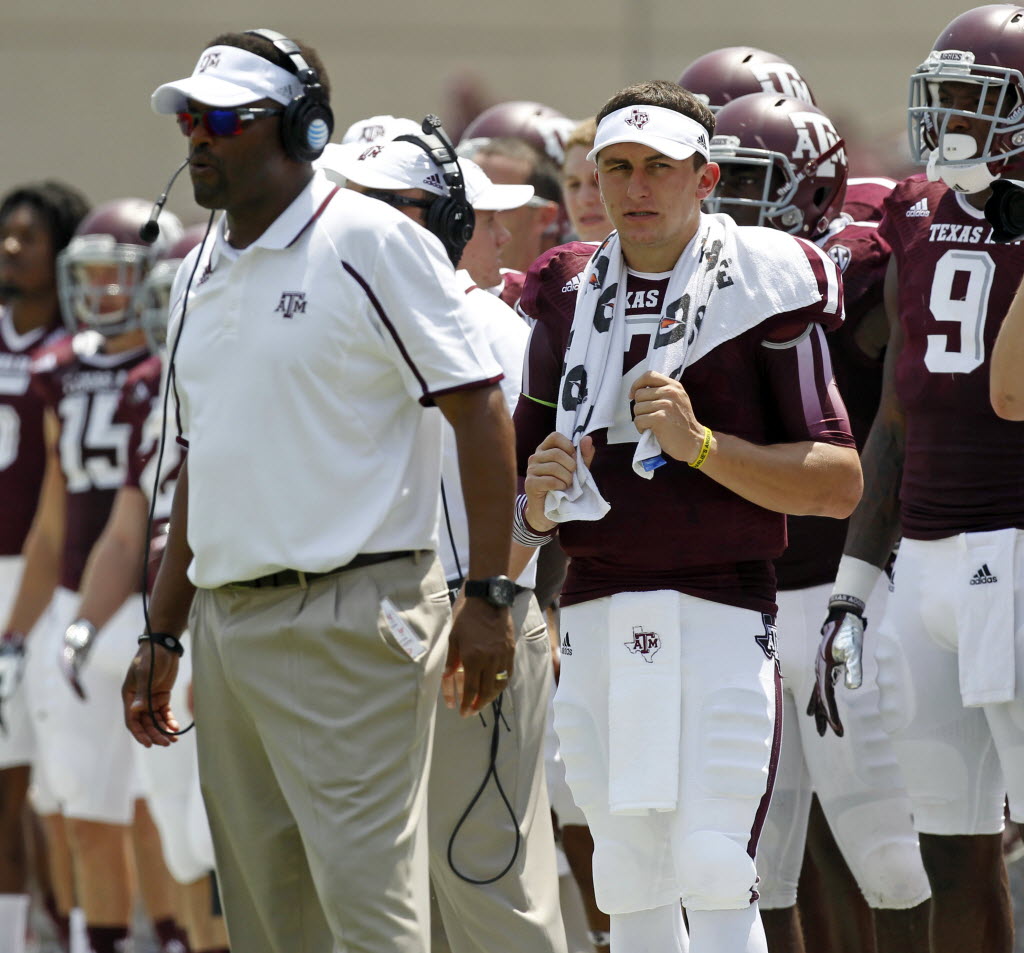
{"x":307,"y":121}
{"x":449,"y":217}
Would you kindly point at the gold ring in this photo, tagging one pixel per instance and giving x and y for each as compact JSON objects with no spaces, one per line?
{"x":501,"y":677}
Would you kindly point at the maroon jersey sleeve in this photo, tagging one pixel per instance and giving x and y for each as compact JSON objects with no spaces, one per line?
{"x":135,"y":403}
{"x":962,"y":464}
{"x":865,"y":198}
{"x":816,"y":543}
{"x":548,"y":301}
{"x":512,"y":287}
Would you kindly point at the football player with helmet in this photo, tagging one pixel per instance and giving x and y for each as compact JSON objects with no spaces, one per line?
{"x":545,"y":128}
{"x":79,"y":378}
{"x":111,"y":577}
{"x":784,"y":166}
{"x":942,"y":468}
{"x":36,"y":223}
{"x":733,"y":71}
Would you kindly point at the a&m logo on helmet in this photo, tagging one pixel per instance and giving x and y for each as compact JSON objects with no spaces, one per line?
{"x":645,"y":644}
{"x":782,"y":78}
{"x":637,"y":118}
{"x":371,"y":133}
{"x":815,"y":134}
{"x":371,"y":153}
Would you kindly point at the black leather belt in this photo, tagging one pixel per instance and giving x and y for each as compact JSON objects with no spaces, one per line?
{"x":296,"y":577}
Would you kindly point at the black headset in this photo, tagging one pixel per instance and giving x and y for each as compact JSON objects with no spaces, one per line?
{"x":307,"y":122}
{"x":449,"y":217}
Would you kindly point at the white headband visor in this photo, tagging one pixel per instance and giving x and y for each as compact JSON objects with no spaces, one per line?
{"x":226,"y":76}
{"x":404,"y":165}
{"x":669,"y":132}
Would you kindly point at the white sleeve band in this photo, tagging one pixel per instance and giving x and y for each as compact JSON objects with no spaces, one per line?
{"x":855,"y":578}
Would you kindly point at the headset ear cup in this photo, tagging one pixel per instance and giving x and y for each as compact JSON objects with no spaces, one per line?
{"x":306,"y":127}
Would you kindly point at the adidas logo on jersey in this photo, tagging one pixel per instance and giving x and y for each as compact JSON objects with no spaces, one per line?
{"x":564,"y":647}
{"x":573,"y":285}
{"x":983,"y":576}
{"x":918,"y":209}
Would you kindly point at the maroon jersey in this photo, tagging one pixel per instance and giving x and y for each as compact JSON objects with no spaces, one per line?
{"x":963,"y":467}
{"x":816,"y":542}
{"x":22,"y":446}
{"x":82,"y":385}
{"x":680,"y":530}
{"x":511,"y":286}
{"x":141,"y":407}
{"x":865,"y":198}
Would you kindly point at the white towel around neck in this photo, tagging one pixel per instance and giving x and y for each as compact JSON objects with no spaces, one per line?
{"x":727,"y":280}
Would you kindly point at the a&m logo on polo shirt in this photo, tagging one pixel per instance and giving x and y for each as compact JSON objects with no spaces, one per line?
{"x":291,"y":303}
{"x":644,"y":643}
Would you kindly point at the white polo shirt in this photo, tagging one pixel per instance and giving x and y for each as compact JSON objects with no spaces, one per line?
{"x":303,"y":370}
{"x":507,"y":335}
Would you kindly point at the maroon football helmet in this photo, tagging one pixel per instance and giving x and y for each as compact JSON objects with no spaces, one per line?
{"x":100,"y":273}
{"x":983,"y":47}
{"x":544,"y":128}
{"x":794,"y":151}
{"x":723,"y":75}
{"x":155,"y":297}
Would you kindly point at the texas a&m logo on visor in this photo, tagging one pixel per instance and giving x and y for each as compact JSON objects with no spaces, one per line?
{"x":637,"y":118}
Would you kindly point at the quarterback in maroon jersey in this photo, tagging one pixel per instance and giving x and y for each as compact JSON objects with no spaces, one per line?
{"x":618,"y":376}
{"x":36,"y":223}
{"x":783,"y":165}
{"x":946,"y":471}
{"x":79,"y":379}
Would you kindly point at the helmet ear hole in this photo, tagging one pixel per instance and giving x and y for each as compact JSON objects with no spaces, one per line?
{"x":820,"y":195}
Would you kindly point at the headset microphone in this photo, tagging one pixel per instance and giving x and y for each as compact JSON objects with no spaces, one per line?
{"x":150,"y":232}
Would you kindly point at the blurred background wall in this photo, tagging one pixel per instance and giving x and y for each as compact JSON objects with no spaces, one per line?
{"x":76,"y":78}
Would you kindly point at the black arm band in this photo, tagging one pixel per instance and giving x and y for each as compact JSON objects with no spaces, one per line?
{"x":165,"y":639}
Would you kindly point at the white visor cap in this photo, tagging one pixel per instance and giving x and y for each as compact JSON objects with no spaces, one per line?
{"x":226,"y":76}
{"x":669,"y":132}
{"x":404,"y":165}
{"x":379,"y":127}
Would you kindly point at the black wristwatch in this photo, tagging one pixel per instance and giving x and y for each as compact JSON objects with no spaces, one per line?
{"x":499,"y":591}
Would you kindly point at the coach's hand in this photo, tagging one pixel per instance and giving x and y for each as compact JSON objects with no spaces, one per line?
{"x":661,"y":405}
{"x":482,"y":645}
{"x":839,"y":652}
{"x":146,"y":694}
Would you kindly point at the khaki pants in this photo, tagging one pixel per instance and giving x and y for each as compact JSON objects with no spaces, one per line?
{"x":314,"y":739}
{"x":519,"y":912}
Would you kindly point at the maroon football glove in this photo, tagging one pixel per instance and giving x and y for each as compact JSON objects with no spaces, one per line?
{"x":839,"y":652}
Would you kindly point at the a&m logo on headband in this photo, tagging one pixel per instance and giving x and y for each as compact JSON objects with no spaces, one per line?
{"x":637,"y":118}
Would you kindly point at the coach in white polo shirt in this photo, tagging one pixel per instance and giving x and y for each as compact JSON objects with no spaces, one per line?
{"x":496,"y":889}
{"x":312,"y":327}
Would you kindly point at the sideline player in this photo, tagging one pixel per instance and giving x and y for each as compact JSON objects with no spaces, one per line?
{"x":941,"y":466}
{"x":783,"y":165}
{"x":653,"y":347}
{"x":84,"y":763}
{"x":36,"y":223}
{"x":725,"y":74}
{"x":112,"y":577}
{"x":312,"y":330}
{"x":473,"y":828}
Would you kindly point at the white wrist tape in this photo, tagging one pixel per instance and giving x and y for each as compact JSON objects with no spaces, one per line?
{"x":855,"y":579}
